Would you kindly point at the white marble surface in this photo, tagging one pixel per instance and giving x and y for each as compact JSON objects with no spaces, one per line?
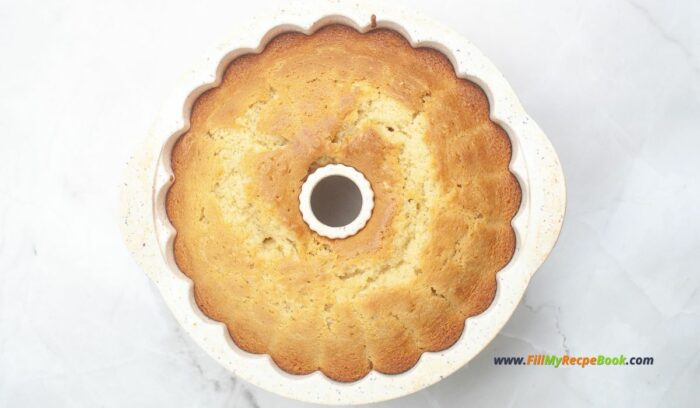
{"x":615,"y":84}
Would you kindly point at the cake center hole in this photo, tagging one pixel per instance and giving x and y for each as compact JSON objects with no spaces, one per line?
{"x":336,"y":201}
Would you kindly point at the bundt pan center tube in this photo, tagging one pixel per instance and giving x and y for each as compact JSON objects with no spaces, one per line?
{"x":253,"y":189}
{"x":336,"y":201}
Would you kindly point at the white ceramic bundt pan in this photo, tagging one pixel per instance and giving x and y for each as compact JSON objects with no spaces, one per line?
{"x":149,"y":235}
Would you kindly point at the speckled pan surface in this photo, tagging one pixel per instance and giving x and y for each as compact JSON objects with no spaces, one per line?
{"x":149,"y":234}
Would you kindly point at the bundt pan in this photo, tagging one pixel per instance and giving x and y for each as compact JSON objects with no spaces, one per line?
{"x":149,"y":234}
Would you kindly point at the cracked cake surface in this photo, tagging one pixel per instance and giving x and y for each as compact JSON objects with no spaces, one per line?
{"x":439,"y":232}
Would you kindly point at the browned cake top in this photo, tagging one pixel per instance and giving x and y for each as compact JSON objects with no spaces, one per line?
{"x":439,"y":232}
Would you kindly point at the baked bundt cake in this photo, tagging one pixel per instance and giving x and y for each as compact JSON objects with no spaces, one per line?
{"x":439,"y":232}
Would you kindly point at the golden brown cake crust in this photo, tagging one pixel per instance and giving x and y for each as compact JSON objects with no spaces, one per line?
{"x":439,"y":232}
